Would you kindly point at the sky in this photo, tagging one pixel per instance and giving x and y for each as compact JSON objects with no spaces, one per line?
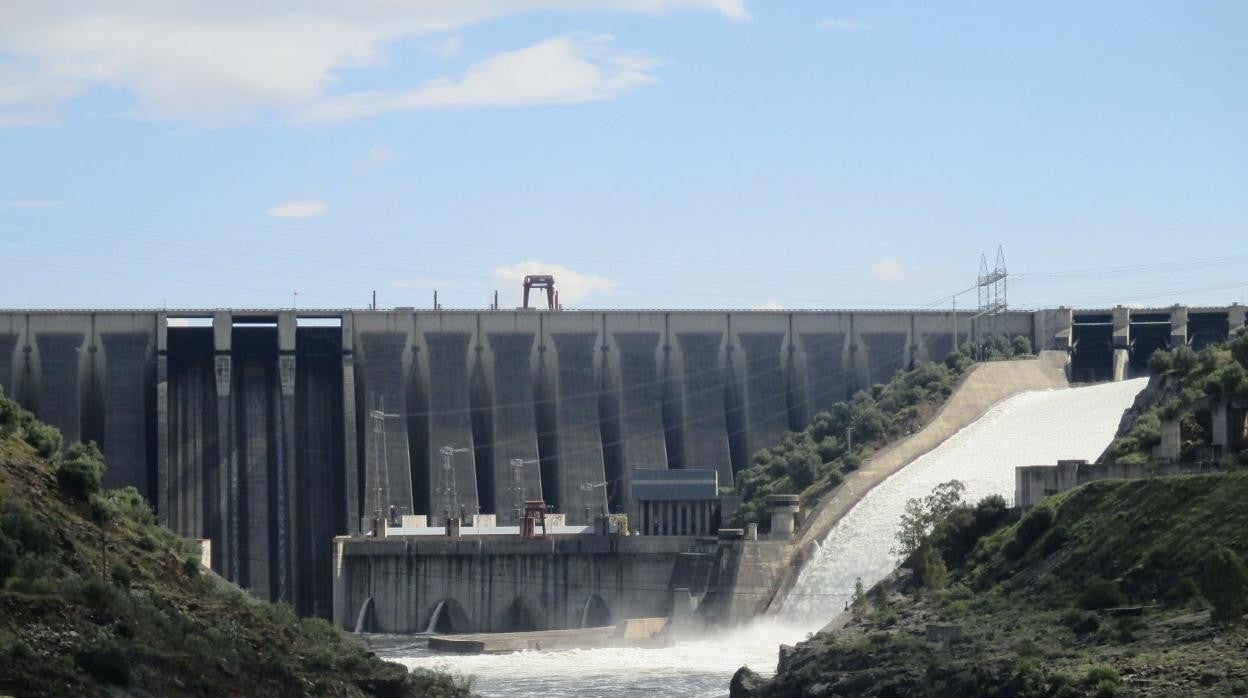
{"x":647,"y":153}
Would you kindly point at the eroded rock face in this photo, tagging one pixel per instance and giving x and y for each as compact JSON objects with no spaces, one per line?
{"x":745,"y":684}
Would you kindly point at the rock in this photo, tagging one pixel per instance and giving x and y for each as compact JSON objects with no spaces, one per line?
{"x":785,"y":660}
{"x":745,"y":684}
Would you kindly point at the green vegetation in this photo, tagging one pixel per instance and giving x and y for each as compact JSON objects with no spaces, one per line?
{"x":840,"y":440}
{"x":1225,"y":585}
{"x":96,"y":599}
{"x":1115,"y":588}
{"x":996,"y":347}
{"x":813,"y":461}
{"x":1184,"y":378}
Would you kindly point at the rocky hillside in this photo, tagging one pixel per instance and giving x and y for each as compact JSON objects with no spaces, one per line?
{"x":95,"y":599}
{"x":1181,"y":380}
{"x":1115,"y":588}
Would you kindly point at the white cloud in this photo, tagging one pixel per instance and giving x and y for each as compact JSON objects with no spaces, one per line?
{"x":212,"y":61}
{"x":378,"y":156}
{"x":563,"y":70}
{"x":37,"y":203}
{"x":887,"y":270}
{"x":770,"y":304}
{"x":838,"y":24}
{"x":572,"y":286}
{"x":299,"y":209}
{"x":446,"y":47}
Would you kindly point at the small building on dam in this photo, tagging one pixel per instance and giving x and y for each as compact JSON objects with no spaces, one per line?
{"x":270,"y":432}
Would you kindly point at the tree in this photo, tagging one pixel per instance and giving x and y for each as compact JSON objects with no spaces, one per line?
{"x":1225,"y":585}
{"x":922,"y":515}
{"x":858,"y":602}
{"x":1020,"y":345}
{"x":931,"y":567}
{"x":82,"y":471}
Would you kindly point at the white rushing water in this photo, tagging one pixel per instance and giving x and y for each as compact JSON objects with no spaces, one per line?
{"x":1028,"y":429}
{"x":1033,"y":428}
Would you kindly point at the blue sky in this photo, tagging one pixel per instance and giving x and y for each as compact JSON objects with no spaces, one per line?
{"x":649,"y":153}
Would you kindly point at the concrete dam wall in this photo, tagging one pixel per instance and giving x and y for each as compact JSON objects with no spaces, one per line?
{"x":271,"y":431}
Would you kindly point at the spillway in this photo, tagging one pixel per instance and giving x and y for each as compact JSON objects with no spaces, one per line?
{"x":1029,"y":428}
{"x":1032,"y":428}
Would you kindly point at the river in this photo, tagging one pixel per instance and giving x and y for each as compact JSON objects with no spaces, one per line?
{"x":1028,"y":429}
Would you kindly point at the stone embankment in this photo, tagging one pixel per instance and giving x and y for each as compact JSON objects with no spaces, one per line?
{"x":983,"y":386}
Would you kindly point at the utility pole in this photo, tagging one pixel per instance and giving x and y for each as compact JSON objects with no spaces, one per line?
{"x":378,"y":417}
{"x":517,"y":485}
{"x":450,"y":496}
{"x":955,"y":322}
{"x":373,"y":305}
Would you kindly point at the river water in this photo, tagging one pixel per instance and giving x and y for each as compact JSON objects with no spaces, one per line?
{"x":1028,"y":429}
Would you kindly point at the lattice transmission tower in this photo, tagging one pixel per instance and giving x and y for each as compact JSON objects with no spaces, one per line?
{"x":992,"y":285}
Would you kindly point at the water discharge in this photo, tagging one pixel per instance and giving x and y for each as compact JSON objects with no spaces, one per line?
{"x":1031,"y":428}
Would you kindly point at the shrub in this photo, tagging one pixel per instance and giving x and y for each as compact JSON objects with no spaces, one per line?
{"x":97,"y":594}
{"x":1183,"y":359}
{"x":1101,"y":593}
{"x":1104,"y":682}
{"x":106,"y":663}
{"x":1054,"y":540}
{"x":1014,"y":549}
{"x":1081,"y":622}
{"x":1225,"y":585}
{"x":122,"y":575}
{"x":851,"y":462}
{"x":8,"y":557}
{"x":931,"y":567}
{"x":1125,"y":628}
{"x":10,"y":415}
{"x":30,"y":535}
{"x":129,"y":504}
{"x":1160,"y":362}
{"x":82,"y":471}
{"x":1020,"y":345}
{"x":1033,"y":525}
{"x":44,"y":438}
{"x":1183,"y":591}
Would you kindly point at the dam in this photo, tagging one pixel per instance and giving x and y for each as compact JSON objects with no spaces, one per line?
{"x":271,"y":431}
{"x":1074,"y":422}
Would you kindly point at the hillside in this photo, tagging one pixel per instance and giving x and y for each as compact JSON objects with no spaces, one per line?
{"x":1105,"y":590}
{"x":839,"y":441}
{"x":95,"y":599}
{"x":1182,"y":380}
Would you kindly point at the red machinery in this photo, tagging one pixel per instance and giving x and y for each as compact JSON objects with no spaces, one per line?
{"x":534,"y":516}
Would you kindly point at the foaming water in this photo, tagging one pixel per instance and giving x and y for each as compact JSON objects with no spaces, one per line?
{"x":1028,"y":429}
{"x":693,"y":667}
{"x":1031,"y":428}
